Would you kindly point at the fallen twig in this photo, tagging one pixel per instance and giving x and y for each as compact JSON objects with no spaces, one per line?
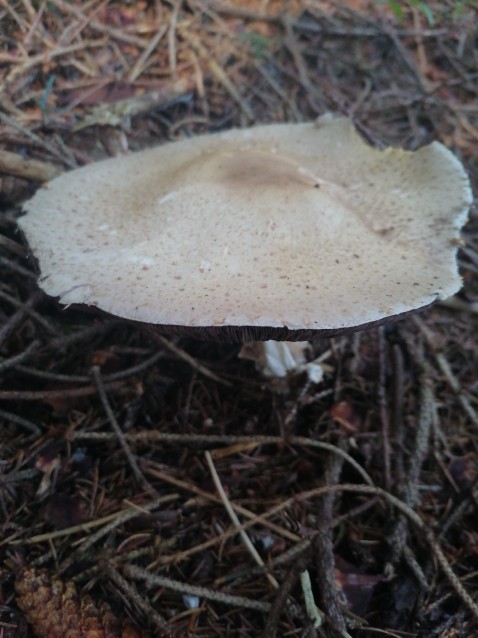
{"x":447,"y":371}
{"x":133,"y":463}
{"x":119,"y":519}
{"x":229,"y":439}
{"x":182,"y":354}
{"x":20,"y":166}
{"x":161,"y":625}
{"x":218,"y":72}
{"x":233,"y":516}
{"x":155,"y":580}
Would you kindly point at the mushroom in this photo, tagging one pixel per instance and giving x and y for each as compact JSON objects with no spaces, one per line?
{"x":281,"y":231}
{"x":279,"y":359}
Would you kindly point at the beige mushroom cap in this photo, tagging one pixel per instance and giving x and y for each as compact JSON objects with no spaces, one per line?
{"x":281,"y":231}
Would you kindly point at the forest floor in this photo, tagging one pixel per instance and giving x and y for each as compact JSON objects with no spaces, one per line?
{"x":166,"y":477}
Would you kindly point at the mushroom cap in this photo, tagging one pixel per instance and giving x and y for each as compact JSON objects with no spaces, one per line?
{"x":281,"y":231}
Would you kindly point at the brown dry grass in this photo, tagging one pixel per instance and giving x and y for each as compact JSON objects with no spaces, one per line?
{"x":114,"y":448}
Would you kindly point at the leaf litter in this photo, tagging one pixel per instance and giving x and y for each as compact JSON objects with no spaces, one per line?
{"x":165,"y":480}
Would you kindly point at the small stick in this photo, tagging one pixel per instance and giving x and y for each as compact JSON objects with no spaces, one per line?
{"x":26,"y":309}
{"x":14,"y":477}
{"x":117,"y":112}
{"x":155,"y":580}
{"x":384,"y":413}
{"x":97,"y":330}
{"x":15,"y":320}
{"x":283,"y":94}
{"x":34,"y":170}
{"x":65,"y":393}
{"x":36,"y":139}
{"x":16,"y":249}
{"x":19,"y":250}
{"x":314,"y":94}
{"x":173,"y":62}
{"x":397,"y":413}
{"x":410,"y":487}
{"x":323,"y":547}
{"x":234,"y":518}
{"x":22,"y":422}
{"x":138,"y":68}
{"x":219,"y":73}
{"x":425,"y":420}
{"x":455,"y":303}
{"x":421,"y":54}
{"x":13,"y":362}
{"x":119,"y":519}
{"x":121,"y":516}
{"x":80,"y":378}
{"x":313,"y":612}
{"x":187,"y":358}
{"x":112,"y":32}
{"x":23,"y":67}
{"x":230,"y":439}
{"x":447,"y":371}
{"x":133,"y":463}
{"x":156,"y":619}
{"x":281,"y":599}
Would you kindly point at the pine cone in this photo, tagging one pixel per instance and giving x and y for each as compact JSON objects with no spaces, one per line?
{"x":56,"y":609}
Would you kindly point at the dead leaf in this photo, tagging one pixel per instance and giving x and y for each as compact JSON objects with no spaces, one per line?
{"x":344,"y":413}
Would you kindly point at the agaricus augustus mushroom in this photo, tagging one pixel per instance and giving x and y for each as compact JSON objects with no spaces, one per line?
{"x":283,"y":231}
